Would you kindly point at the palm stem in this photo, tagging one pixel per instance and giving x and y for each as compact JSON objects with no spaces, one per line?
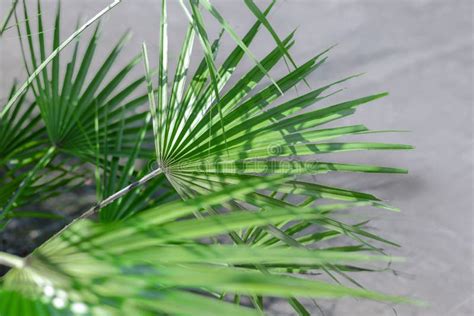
{"x":11,"y":261}
{"x":117,"y":195}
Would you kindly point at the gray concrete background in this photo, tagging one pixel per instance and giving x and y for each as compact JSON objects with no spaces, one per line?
{"x":420,"y":51}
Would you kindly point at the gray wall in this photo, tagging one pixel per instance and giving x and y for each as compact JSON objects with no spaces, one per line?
{"x":420,"y":51}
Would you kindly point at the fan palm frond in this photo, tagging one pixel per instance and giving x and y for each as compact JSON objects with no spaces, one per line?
{"x":18,"y":93}
{"x":70,"y":105}
{"x":68,"y":111}
{"x":197,"y":155}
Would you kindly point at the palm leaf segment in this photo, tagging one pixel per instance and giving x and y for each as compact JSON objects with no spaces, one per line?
{"x":6,"y":17}
{"x":207,"y":140}
{"x":87,"y":269}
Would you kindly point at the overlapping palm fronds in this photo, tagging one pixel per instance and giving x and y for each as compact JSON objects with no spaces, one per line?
{"x":207,"y":139}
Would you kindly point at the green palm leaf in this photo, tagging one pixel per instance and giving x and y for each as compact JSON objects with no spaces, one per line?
{"x":67,"y":105}
{"x":68,"y":111}
{"x":41,"y":67}
{"x":21,"y":131}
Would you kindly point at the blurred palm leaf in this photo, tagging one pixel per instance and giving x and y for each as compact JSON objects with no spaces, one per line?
{"x":89,"y":269}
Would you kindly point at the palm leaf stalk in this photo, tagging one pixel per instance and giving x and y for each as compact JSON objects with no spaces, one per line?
{"x":11,"y":261}
{"x":117,"y":195}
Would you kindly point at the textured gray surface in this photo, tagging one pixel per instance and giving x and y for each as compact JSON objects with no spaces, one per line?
{"x":419,"y":50}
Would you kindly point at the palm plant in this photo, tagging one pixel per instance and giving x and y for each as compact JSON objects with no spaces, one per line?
{"x":245,"y":225}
